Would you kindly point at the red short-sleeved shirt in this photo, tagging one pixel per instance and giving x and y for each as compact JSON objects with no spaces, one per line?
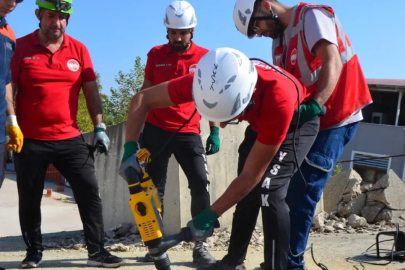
{"x":49,"y":86}
{"x":164,"y":64}
{"x":275,"y":100}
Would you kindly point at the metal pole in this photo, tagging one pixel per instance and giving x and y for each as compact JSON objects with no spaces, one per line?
{"x":398,"y":108}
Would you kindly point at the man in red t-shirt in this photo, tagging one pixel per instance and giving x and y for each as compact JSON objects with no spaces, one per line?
{"x":48,"y":70}
{"x":227,"y":86}
{"x":175,"y":130}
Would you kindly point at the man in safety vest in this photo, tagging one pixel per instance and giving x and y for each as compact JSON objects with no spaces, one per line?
{"x":310,"y":43}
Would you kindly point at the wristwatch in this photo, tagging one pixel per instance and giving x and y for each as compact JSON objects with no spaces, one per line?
{"x":102,"y":126}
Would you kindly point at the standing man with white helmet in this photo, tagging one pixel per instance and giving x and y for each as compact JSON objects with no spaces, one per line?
{"x":175,"y":130}
{"x":228,"y":86}
{"x":49,"y":69}
{"x":310,"y":43}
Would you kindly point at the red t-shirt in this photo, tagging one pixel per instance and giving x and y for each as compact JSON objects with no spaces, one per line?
{"x":275,"y":100}
{"x":48,"y":86}
{"x":164,"y":64}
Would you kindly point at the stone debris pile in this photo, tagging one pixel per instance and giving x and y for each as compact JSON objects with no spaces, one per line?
{"x":125,"y":238}
{"x":354,"y":207}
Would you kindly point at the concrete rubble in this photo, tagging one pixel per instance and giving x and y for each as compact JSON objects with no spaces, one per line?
{"x":351,"y":208}
{"x":117,"y":241}
{"x":361,"y":208}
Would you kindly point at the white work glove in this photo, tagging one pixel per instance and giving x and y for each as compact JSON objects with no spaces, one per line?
{"x":101,"y":142}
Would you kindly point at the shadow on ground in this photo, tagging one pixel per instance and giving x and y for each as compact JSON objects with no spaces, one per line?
{"x":366,"y":261}
{"x":16,"y":243}
{"x":79,"y":263}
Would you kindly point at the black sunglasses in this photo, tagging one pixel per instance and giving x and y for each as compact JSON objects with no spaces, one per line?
{"x":245,"y":111}
{"x":19,"y":1}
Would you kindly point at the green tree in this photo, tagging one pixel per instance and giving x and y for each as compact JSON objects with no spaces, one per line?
{"x":83,"y":118}
{"x":337,"y":169}
{"x":117,"y":105}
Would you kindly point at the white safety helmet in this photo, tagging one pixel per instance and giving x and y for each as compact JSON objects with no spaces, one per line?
{"x":180,"y":15}
{"x":223,"y":84}
{"x":242,"y":13}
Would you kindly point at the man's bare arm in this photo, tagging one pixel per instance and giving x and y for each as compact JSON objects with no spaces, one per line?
{"x":93,"y":101}
{"x":11,"y":89}
{"x":141,"y":103}
{"x":256,"y":164}
{"x":146,"y":84}
{"x":330,"y":72}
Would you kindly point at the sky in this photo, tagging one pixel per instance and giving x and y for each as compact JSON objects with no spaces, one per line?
{"x":116,"y":32}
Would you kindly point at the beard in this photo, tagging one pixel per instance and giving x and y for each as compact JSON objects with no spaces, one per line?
{"x":274,"y":28}
{"x":178,"y":46}
{"x":50,"y":35}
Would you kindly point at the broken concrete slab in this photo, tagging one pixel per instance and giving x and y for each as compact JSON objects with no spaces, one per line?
{"x":371,"y":211}
{"x":389,"y":190}
{"x":352,"y":207}
{"x":345,"y":183}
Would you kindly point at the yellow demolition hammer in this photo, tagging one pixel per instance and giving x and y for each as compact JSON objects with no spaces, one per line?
{"x":147,"y":209}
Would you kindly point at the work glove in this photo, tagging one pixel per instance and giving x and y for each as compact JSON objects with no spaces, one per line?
{"x":202,"y":226}
{"x":130,"y":160}
{"x":213,"y":142}
{"x":101,"y":142}
{"x":309,"y":111}
{"x":14,"y":132}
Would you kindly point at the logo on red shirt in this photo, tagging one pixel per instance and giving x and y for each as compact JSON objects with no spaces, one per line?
{"x":192,"y":68}
{"x":293,"y":57}
{"x":73,"y":65}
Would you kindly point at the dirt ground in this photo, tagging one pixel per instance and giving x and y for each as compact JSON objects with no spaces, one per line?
{"x":331,"y":250}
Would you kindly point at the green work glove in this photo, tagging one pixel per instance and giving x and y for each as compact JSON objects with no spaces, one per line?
{"x":201,"y":226}
{"x":130,"y":160}
{"x":213,"y":142}
{"x":309,"y":111}
{"x":130,"y":148}
{"x":205,"y":220}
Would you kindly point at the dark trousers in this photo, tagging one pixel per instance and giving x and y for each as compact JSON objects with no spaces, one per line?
{"x":189,"y":153}
{"x":269,"y":195}
{"x":74,"y":159}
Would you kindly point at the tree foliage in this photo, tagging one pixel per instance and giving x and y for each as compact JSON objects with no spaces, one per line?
{"x":337,"y":169}
{"x":117,"y":105}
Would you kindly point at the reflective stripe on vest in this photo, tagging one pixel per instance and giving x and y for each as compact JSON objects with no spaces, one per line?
{"x":296,"y":58}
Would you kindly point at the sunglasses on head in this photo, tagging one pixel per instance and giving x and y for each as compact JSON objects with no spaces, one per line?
{"x":61,"y":5}
{"x":19,"y":1}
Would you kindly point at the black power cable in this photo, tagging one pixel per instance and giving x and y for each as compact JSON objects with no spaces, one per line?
{"x":390,"y":254}
{"x":371,"y":158}
{"x":320,"y":265}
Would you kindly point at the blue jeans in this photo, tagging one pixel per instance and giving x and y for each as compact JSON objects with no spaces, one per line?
{"x":317,"y":168}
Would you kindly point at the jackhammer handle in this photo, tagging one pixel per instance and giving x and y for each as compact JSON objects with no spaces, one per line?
{"x":183,"y":235}
{"x":132,"y":176}
{"x":172,"y":240}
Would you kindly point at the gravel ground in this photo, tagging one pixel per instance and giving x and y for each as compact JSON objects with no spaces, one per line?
{"x":333,"y":250}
